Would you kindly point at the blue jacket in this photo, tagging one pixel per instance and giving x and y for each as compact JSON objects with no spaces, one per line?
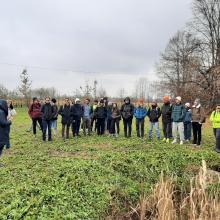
{"x":140,"y":112}
{"x":4,"y":123}
{"x":178,"y":113}
{"x":109,"y":113}
{"x":188,"y":116}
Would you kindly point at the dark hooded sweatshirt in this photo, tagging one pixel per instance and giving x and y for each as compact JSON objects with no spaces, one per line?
{"x":4,"y":123}
{"x":127,"y":109}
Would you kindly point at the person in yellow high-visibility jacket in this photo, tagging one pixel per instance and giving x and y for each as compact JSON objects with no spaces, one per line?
{"x":215,"y":119}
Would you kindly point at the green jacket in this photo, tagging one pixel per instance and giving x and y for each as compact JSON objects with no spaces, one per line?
{"x":215,"y":119}
{"x":178,"y":113}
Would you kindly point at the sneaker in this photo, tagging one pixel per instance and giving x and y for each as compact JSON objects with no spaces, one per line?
{"x":181,"y":142}
{"x":167,"y":140}
{"x":174,"y":141}
{"x":217,"y":150}
{"x":164,"y":140}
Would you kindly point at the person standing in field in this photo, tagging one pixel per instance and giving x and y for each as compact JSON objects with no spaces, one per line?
{"x":215,"y":119}
{"x":109,"y":117}
{"x":127,"y":112}
{"x":154,"y":114}
{"x":87,"y":113}
{"x":198,"y":118}
{"x":55,"y":117}
{"x":47,"y":117}
{"x":187,"y":123}
{"x":4,"y":124}
{"x":76,"y":115}
{"x":166,"y":112}
{"x":36,"y":115}
{"x":65,"y":113}
{"x":101,"y":115}
{"x":140,"y":112}
{"x":11,"y":113}
{"x":178,"y":114}
{"x":93,"y":118}
{"x":115,"y":122}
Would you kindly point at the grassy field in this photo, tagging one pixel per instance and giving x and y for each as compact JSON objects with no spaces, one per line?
{"x":92,"y":177}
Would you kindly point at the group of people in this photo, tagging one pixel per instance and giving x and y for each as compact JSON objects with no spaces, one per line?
{"x":103,"y":116}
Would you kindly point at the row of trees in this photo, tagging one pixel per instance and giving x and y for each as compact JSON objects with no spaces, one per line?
{"x":190,"y":64}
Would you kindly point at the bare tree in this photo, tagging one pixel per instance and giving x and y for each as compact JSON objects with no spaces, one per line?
{"x":102,"y":92}
{"x":25,"y":86}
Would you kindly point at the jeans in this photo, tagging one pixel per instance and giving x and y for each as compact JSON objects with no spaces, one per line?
{"x":76,"y":127}
{"x":93,"y":120}
{"x":167,"y":130}
{"x":86,"y":124}
{"x":197,"y":133}
{"x":187,"y":130}
{"x":151,"y":126}
{"x":115,"y":123}
{"x":47,"y":126}
{"x":127,"y":126}
{"x":109,"y":125}
{"x":178,"y":127}
{"x":217,"y":137}
{"x":65,"y":127}
{"x":100,"y":126}
{"x":140,"y":123}
{"x":34,"y":124}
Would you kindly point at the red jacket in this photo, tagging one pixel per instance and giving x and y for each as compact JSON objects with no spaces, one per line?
{"x":35,"y":111}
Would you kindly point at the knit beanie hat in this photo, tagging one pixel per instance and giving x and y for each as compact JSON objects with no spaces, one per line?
{"x":77,"y":100}
{"x":179,"y":98}
{"x":187,"y":104}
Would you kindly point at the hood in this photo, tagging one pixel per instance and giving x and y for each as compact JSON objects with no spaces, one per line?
{"x":127,"y":98}
{"x":4,"y":106}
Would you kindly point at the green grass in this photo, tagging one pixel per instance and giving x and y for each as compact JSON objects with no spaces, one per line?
{"x":90,"y":178}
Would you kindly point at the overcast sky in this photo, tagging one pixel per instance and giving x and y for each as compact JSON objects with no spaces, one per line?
{"x":113,"y":41}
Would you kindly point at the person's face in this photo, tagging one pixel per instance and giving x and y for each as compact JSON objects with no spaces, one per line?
{"x":101,"y":103}
{"x":36,"y":101}
{"x":47,"y":100}
{"x":114,"y":105}
{"x":87,"y":101}
{"x":126,"y":101}
{"x":196,"y":103}
{"x":177,"y":101}
{"x":218,"y":108}
{"x":96,"y":103}
{"x":66,"y":102}
{"x":78,"y":102}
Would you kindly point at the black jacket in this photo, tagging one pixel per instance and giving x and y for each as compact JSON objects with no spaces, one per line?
{"x":76,"y":112}
{"x":100,"y":112}
{"x":64,"y":111}
{"x":55,"y":109}
{"x":127,"y":110}
{"x":4,"y":123}
{"x":154,"y":114}
{"x":166,"y":111}
{"x":48,"y":112}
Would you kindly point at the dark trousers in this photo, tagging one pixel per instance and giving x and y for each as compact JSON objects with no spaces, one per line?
{"x":109,"y":125}
{"x":115,"y":122}
{"x":93,"y":120}
{"x":127,"y":127}
{"x":217,"y":138}
{"x":76,"y":127}
{"x":187,"y":130}
{"x":197,"y":133}
{"x":100,"y":126}
{"x":86,"y":125}
{"x":1,"y":148}
{"x":35,"y":120}
{"x":8,"y":144}
{"x":65,"y":130}
{"x":47,"y":126}
{"x":140,"y":124}
{"x":167,"y":129}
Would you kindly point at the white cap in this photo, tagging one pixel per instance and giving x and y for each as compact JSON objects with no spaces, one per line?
{"x":187,"y":104}
{"x":77,"y":100}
